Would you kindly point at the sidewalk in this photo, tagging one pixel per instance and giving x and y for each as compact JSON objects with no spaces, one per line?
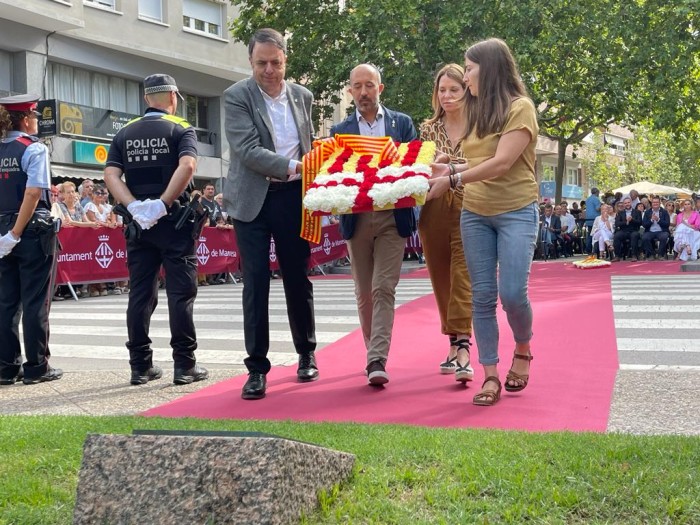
{"x":661,"y":400}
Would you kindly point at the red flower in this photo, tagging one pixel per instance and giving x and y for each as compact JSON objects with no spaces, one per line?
{"x":406,"y":202}
{"x":363,"y":202}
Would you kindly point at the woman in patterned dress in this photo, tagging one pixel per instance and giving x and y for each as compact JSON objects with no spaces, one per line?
{"x":439,"y":228}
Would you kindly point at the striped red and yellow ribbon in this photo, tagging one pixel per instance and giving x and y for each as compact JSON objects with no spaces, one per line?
{"x":383,"y":147}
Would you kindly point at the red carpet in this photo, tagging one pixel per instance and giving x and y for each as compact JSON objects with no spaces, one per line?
{"x":572,"y":375}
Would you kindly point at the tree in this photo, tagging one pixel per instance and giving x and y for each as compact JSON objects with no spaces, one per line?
{"x":586,"y":63}
{"x":650,"y":156}
{"x":599,"y":62}
{"x":600,"y":166}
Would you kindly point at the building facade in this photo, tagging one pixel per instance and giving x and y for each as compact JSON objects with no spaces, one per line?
{"x":87,"y":59}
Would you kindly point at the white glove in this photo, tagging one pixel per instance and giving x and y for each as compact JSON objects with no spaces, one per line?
{"x":7,"y":243}
{"x":147,"y":212}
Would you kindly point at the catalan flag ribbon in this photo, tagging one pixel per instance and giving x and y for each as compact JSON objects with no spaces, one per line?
{"x":321,"y":151}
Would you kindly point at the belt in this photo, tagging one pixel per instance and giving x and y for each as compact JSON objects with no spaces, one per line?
{"x":284,"y":186}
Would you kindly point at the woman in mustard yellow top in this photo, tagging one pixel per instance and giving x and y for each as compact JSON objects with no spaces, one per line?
{"x":499,"y":216}
{"x":439,"y":227}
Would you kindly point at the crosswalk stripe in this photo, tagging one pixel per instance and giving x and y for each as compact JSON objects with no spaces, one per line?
{"x":161,"y":353}
{"x":639,"y":344}
{"x":223,"y":318}
{"x":95,"y":328}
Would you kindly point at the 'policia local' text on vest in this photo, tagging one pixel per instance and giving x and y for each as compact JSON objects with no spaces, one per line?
{"x":150,"y":154}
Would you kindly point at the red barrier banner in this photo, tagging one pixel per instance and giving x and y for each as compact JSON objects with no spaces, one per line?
{"x":91,"y":255}
{"x":331,"y":247}
{"x":217,"y":251}
{"x":413,"y":244}
{"x":99,"y":255}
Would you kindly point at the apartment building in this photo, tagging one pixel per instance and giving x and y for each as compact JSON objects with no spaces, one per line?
{"x":87,"y":58}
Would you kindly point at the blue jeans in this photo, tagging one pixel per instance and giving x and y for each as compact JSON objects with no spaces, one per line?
{"x":506,"y":243}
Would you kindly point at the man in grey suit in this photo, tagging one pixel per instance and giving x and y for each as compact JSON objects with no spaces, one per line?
{"x":268,"y":126}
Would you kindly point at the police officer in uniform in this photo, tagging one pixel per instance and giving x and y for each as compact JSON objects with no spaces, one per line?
{"x":27,"y":245}
{"x":157,"y":155}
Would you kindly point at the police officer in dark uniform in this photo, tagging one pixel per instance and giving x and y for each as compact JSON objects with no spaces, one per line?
{"x":157,"y":154}
{"x":27,"y":245}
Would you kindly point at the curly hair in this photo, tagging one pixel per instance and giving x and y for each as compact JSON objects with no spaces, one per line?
{"x":6,"y":123}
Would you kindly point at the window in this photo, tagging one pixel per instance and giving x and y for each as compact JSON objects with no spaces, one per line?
{"x":548,"y":172}
{"x":151,"y":10}
{"x":196,"y":111}
{"x":109,"y":4}
{"x":80,"y":86}
{"x":572,"y":177}
{"x":203,"y":16}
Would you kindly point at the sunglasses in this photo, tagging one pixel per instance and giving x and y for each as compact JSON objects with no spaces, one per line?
{"x":101,"y":193}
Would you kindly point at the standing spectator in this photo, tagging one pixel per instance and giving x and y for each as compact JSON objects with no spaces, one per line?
{"x":592,"y":211}
{"x":634,"y":197}
{"x":153,"y":181}
{"x":210,"y":204}
{"x":499,"y":217}
{"x":85,"y":190}
{"x":99,"y":210}
{"x":268,"y":126}
{"x":73,"y":213}
{"x":627,"y":224}
{"x":655,"y":221}
{"x":376,"y":240}
{"x":27,"y":245}
{"x":56,"y":212}
{"x":438,"y":226}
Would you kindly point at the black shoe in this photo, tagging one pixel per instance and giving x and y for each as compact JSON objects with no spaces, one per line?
{"x":13,"y":380}
{"x":255,"y":387}
{"x":141,"y":378}
{"x":376,"y":374}
{"x":185,"y":377}
{"x":307,"y":371}
{"x":52,"y":374}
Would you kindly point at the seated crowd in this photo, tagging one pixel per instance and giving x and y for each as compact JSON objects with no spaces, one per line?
{"x":628,"y":227}
{"x":88,"y":206}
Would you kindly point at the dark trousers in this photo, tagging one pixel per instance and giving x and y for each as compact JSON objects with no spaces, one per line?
{"x":26,"y":286}
{"x":648,"y":242}
{"x":619,"y":239}
{"x":175,"y":250}
{"x":280,"y":218}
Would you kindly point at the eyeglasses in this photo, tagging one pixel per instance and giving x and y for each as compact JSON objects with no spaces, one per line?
{"x":101,"y":193}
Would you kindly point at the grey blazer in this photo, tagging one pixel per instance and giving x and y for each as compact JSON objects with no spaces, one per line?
{"x":250,"y":134}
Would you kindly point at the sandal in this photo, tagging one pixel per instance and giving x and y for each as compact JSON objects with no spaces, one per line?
{"x":488,"y":398}
{"x":463,"y":373}
{"x":520,"y":380}
{"x":450,"y":363}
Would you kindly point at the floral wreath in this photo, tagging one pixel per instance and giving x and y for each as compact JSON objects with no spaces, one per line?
{"x":361,"y":174}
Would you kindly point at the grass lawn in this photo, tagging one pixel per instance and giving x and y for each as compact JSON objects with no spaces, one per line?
{"x":403,"y":474}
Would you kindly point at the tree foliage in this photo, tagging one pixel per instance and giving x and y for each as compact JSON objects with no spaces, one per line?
{"x":586,"y":63}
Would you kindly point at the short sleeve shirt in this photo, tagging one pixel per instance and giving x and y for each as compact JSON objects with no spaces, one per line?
{"x":518,"y":187}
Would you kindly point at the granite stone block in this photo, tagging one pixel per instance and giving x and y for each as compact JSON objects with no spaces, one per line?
{"x":199,"y":479}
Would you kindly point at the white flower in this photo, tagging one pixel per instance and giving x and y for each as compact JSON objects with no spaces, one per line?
{"x":385,"y":193}
{"x":331,"y":199}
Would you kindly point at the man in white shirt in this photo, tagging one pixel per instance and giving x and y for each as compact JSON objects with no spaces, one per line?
{"x":268,"y":126}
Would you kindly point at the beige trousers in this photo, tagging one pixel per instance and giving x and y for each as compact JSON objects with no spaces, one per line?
{"x":376,"y":253}
{"x":441,"y":238}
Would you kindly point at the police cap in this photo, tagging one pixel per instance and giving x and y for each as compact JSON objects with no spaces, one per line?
{"x":20,"y":103}
{"x":159,"y":83}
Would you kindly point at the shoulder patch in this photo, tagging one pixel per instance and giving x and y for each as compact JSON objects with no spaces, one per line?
{"x":176,"y":120}
{"x":27,"y":141}
{"x":132,"y":121}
